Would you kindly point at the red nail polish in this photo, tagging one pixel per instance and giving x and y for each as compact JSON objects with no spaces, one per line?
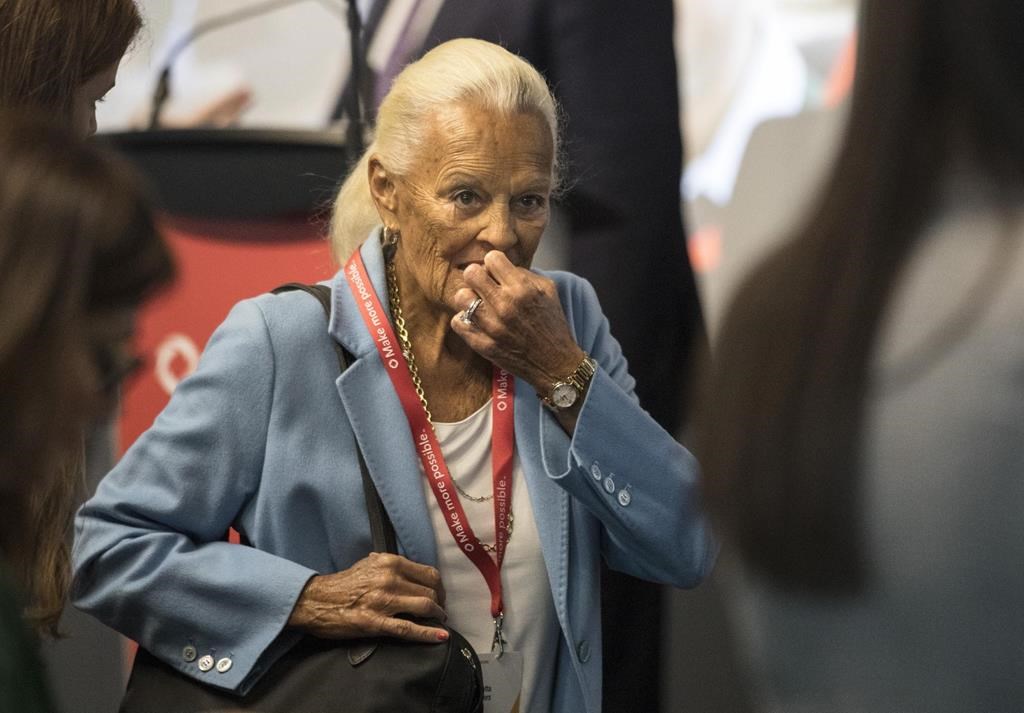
{"x":442,"y":636}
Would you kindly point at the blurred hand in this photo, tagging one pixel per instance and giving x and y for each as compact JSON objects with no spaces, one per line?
{"x":520,"y":326}
{"x":368,"y":599}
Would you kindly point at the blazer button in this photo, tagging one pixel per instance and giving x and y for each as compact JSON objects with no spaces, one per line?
{"x":625,"y":498}
{"x":224,"y":665}
{"x":595,"y":471}
{"x":583,"y":651}
{"x":189,"y":653}
{"x":205,"y":663}
{"x":609,"y":485}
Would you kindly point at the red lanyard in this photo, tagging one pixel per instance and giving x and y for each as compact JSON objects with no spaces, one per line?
{"x":429,"y":450}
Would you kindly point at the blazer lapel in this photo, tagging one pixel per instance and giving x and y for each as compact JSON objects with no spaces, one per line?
{"x":380,"y":426}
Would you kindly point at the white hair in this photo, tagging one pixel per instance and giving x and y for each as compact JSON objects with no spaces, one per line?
{"x":461,"y":70}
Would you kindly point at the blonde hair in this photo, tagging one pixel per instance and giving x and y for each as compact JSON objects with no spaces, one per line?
{"x":461,"y":70}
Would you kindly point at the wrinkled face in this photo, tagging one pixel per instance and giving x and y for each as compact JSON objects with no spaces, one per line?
{"x":482,"y":183}
{"x":93,"y":90}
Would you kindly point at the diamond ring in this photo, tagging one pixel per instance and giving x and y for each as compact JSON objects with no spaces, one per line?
{"x":467,"y":315}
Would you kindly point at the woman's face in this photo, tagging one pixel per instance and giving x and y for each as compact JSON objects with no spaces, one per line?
{"x":482,"y":183}
{"x":93,"y":90}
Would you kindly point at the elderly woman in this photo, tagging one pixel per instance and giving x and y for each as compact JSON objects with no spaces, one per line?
{"x":493,"y":408}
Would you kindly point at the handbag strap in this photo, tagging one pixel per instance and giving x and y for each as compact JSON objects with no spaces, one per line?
{"x":381,"y":529}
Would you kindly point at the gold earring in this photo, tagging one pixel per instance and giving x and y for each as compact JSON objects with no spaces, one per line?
{"x":389,"y":242}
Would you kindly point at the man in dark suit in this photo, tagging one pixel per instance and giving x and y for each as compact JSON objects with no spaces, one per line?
{"x":612,"y":67}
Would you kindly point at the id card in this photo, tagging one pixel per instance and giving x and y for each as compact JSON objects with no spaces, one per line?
{"x":503,"y":681}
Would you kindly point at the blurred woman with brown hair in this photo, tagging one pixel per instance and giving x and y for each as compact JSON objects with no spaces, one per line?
{"x":864,"y":431}
{"x":78,"y":253}
{"x":61,"y":56}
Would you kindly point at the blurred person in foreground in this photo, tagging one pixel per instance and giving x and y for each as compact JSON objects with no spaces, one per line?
{"x":78,"y":254}
{"x":57,"y":59}
{"x":500,"y":383}
{"x":864,"y":431}
{"x":61,"y":57}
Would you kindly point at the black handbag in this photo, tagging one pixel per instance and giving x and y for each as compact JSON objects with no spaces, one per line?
{"x":379,"y":675}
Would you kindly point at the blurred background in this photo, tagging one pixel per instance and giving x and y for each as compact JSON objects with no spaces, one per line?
{"x":762,"y":87}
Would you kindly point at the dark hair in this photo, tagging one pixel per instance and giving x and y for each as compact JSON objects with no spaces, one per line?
{"x":79,"y":251}
{"x":782,"y":405}
{"x":49,"y":48}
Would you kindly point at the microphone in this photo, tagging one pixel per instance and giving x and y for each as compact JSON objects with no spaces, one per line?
{"x":162,"y":91}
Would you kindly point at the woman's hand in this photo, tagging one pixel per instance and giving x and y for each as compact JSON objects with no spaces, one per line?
{"x":520,"y":326}
{"x":368,"y":599}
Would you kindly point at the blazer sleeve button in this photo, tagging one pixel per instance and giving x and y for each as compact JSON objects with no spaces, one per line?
{"x":583,"y":651}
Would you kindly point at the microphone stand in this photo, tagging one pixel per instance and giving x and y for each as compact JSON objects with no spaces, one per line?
{"x":354,"y":134}
{"x":162,"y":91}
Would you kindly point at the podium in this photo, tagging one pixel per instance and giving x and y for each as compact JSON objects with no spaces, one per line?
{"x":237,"y":174}
{"x":243,"y":210}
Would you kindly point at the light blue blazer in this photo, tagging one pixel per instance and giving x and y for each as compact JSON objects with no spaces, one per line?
{"x":263,"y":437}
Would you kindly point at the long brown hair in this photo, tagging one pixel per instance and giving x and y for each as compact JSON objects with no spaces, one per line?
{"x":782,"y":406}
{"x":49,"y":48}
{"x":79,"y":251}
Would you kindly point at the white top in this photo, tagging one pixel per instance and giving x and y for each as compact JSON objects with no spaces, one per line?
{"x":531,"y":625}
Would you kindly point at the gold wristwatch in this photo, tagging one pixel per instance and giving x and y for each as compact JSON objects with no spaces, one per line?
{"x":566,"y":392}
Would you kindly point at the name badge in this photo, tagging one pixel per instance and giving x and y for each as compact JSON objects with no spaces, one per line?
{"x":503,"y":681}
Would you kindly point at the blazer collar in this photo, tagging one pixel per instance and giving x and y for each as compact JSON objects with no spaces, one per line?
{"x":375,"y":413}
{"x":346,"y":323}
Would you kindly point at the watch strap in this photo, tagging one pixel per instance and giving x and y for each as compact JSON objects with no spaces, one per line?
{"x":579,"y":379}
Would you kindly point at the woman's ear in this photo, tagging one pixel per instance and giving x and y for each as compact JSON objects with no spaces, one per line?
{"x":382,"y":189}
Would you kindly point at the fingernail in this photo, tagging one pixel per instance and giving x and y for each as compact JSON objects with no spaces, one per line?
{"x":442,"y":636}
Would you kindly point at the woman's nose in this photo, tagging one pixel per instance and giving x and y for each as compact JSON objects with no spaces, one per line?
{"x":499,"y":230}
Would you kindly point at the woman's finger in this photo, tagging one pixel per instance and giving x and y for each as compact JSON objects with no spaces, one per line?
{"x":481,"y":281}
{"x":408,"y":630}
{"x":421,"y":574}
{"x":499,"y":267}
{"x":476,"y":337}
{"x":422,"y":607}
{"x":406,"y":588}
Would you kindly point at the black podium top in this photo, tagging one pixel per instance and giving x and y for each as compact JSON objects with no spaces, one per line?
{"x":237,"y":173}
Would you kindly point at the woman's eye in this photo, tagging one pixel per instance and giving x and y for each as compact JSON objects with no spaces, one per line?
{"x":465,"y":198}
{"x":532,"y":202}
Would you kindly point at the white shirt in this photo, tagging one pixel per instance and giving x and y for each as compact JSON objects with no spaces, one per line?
{"x":531,"y":625}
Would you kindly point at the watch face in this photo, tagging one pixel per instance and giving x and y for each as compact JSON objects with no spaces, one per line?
{"x":564,"y":395}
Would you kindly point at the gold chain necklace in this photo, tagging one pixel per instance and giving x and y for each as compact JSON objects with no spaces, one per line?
{"x":395,"y":301}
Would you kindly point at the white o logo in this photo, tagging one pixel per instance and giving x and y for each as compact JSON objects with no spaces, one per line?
{"x":502,"y":405}
{"x":174,"y":347}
